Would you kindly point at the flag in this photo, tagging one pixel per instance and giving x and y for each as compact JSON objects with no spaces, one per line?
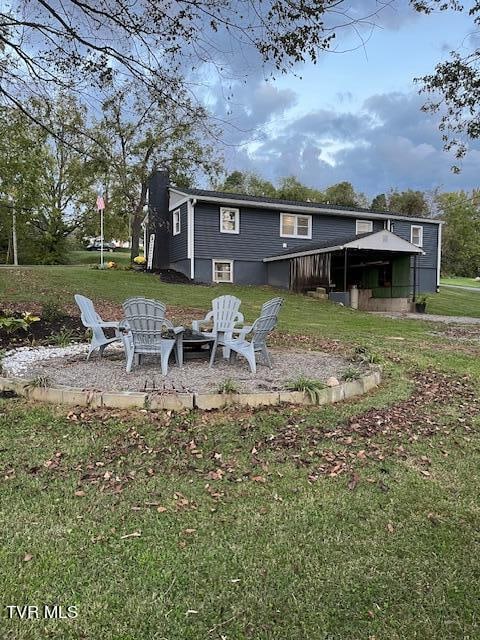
{"x":100,"y":203}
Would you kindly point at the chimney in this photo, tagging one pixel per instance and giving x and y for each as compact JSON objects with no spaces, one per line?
{"x":159,"y":218}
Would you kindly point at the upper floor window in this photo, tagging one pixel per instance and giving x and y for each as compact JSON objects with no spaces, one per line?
{"x":229,"y":220}
{"x":416,"y":235}
{"x":177,"y":225}
{"x":295,"y":226}
{"x":364,"y":226}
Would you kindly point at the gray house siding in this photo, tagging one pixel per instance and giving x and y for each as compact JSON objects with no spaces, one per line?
{"x":427,"y":264}
{"x":259,"y":235}
{"x":178,"y":243}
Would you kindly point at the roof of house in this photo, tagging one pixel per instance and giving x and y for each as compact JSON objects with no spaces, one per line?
{"x":240,"y":198}
{"x":374,"y":241}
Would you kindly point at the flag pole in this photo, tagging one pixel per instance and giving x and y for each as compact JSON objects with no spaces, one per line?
{"x":101,"y":237}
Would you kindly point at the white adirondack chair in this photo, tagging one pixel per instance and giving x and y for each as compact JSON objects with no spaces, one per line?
{"x":93,"y":321}
{"x":223,"y":317}
{"x":270,"y":308}
{"x":143,"y":326}
{"x":249,"y":350}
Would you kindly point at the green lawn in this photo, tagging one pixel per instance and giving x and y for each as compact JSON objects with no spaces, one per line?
{"x":121,"y":256}
{"x":258,"y":535}
{"x":460,"y":282}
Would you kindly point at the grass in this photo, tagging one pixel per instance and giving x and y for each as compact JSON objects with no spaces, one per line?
{"x":238,"y":532}
{"x":454,"y":302}
{"x":121,"y":256}
{"x":460,"y":282}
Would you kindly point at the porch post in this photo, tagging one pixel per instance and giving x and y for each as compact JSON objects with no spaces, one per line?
{"x":345,"y":264}
{"x":414,"y":277}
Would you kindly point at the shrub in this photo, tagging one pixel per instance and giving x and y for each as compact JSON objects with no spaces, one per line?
{"x":310,"y":386}
{"x":351,"y":373}
{"x":227,"y":386}
{"x":52,"y":312}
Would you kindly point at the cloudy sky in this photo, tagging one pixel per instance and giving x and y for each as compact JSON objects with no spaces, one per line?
{"x":355,"y":115}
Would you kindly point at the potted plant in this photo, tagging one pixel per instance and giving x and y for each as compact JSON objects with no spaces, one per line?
{"x":139,"y":263}
{"x":421,"y":304}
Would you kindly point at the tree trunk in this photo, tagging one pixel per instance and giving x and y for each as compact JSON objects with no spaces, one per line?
{"x":137,"y":219}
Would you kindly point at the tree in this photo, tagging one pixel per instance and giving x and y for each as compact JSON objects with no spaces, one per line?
{"x":409,"y":203}
{"x":51,"y":43}
{"x":290,"y":188}
{"x":139,"y":133}
{"x":342,"y":194}
{"x":247,"y":183}
{"x":379,"y":203}
{"x":454,"y":85}
{"x":461,"y":233}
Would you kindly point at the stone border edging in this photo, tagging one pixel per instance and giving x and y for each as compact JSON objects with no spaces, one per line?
{"x":74,"y":396}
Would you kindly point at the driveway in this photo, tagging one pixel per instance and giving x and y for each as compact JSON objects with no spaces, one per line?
{"x":461,"y":287}
{"x":428,"y":317}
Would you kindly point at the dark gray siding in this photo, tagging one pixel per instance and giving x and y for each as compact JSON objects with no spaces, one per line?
{"x":278,"y":274}
{"x":427,"y":264}
{"x":181,"y":265}
{"x":178,"y":243}
{"x":244,"y":271}
{"x":259,"y":235}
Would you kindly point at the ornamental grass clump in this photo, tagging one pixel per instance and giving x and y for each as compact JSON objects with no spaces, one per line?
{"x":310,"y":386}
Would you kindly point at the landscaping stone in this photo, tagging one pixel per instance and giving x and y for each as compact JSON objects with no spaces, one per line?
{"x":336,"y":394}
{"x":332,"y":382}
{"x":257,"y":399}
{"x":294,"y":397}
{"x":124,"y":400}
{"x":352,"y":388}
{"x":172,"y":401}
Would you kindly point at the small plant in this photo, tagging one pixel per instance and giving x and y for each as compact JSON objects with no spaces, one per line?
{"x":310,"y":386}
{"x":52,"y":312}
{"x":11,"y":325}
{"x":40,"y":382}
{"x":63,"y":338}
{"x":227,"y":386}
{"x":365,"y":356}
{"x":421,"y":299}
{"x":351,"y":373}
{"x":29,"y":318}
{"x":112,"y":265}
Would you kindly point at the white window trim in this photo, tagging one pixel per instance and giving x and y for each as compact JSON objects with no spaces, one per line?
{"x":178,"y":213}
{"x":214,"y":261}
{"x":237,"y":220}
{"x":296,"y":216}
{"x":370,"y":222}
{"x":416,"y":226}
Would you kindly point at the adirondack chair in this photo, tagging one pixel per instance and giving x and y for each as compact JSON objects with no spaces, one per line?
{"x":260,"y":330}
{"x":143,"y":326}
{"x":223,"y":317}
{"x":270,"y":308}
{"x":91,"y":320}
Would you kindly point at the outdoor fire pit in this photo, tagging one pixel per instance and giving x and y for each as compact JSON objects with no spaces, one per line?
{"x":195,"y":343}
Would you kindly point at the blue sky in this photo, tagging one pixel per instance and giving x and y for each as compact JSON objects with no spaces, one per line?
{"x":355,"y":115}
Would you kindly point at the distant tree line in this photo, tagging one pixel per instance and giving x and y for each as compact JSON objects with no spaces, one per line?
{"x":459,"y":211}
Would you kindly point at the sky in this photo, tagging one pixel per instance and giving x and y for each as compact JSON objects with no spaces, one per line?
{"x":355,"y":115}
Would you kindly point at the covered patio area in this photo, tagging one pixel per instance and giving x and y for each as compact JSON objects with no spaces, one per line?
{"x":375,"y":271}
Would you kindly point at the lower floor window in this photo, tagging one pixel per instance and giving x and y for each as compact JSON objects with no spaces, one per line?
{"x":222,"y":270}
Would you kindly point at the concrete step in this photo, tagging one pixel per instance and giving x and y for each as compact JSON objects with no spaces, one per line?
{"x":317,"y":296}
{"x":321,"y":290}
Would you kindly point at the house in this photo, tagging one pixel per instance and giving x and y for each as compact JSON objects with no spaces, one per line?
{"x":214,"y":237}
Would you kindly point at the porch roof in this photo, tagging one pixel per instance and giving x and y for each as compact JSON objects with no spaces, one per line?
{"x":375,"y":241}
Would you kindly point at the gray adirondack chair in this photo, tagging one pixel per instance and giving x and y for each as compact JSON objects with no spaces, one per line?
{"x":223,"y":317}
{"x":144,"y":323}
{"x":270,"y":308}
{"x":258,"y":345}
{"x":91,"y":320}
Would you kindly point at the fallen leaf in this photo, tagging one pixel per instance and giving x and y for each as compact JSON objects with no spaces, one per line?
{"x":258,"y":479}
{"x":27,"y":557}
{"x":135,"y":534}
{"x":189,"y":531}
{"x":162,"y":509}
{"x":390,"y":528}
{"x":79,"y":493}
{"x":353,"y":482}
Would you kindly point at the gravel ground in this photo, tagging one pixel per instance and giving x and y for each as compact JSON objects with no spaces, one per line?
{"x":109,"y":372}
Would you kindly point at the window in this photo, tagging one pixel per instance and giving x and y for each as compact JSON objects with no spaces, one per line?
{"x":295,"y":226}
{"x":229,"y":220}
{"x":222,"y":270}
{"x":176,"y":222}
{"x":364,"y":226}
{"x":416,"y":235}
